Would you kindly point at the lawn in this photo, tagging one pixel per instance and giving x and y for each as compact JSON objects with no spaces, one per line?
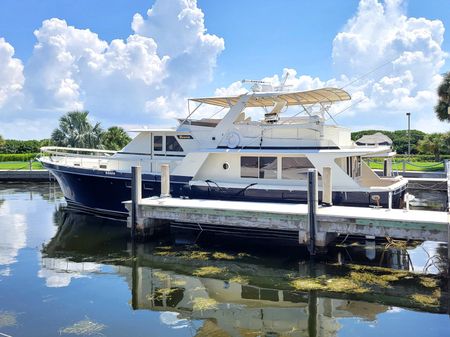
{"x":19,"y":165}
{"x":411,"y":166}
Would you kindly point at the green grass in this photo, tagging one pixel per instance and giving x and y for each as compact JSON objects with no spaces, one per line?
{"x":19,"y":165}
{"x":429,"y":166}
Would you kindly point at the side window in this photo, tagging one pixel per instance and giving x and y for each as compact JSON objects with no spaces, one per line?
{"x":172,"y":144}
{"x":249,"y":167}
{"x":295,"y":168}
{"x":157,"y":143}
{"x":268,"y":167}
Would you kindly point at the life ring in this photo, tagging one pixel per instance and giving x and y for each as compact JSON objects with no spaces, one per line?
{"x":233,"y":139}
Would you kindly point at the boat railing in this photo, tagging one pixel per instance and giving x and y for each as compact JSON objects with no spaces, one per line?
{"x":102,"y":159}
{"x":76,"y":152}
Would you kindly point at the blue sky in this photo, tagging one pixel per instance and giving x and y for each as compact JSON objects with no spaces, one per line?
{"x":261,"y":38}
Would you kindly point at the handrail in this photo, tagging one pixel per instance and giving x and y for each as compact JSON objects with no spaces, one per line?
{"x":57,"y":150}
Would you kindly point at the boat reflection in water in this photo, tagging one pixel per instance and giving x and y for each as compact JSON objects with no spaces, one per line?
{"x":237,"y":293}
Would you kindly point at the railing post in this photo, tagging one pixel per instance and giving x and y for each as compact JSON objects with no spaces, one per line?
{"x":327,"y":187}
{"x":136,"y":196}
{"x":31,"y":164}
{"x":165,"y":181}
{"x":312,"y":209}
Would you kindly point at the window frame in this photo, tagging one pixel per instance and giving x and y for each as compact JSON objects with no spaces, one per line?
{"x":175,"y":142}
{"x":162,"y":143}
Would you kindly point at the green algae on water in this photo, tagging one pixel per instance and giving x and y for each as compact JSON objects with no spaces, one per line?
{"x":161,"y":275}
{"x":345,"y":285}
{"x":85,"y":327}
{"x":206,"y":271}
{"x":161,"y":293}
{"x":428,"y":282}
{"x":424,"y":300}
{"x":239,"y":279}
{"x":306,"y":284}
{"x":223,"y":256}
{"x":196,"y":255}
{"x":202,"y":303}
{"x":369,"y":278}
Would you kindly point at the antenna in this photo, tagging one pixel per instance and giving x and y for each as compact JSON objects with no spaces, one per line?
{"x":259,"y":86}
{"x":283,"y":83}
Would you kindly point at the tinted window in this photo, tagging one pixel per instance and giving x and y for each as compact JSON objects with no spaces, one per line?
{"x":172,"y":144}
{"x":249,"y":167}
{"x":295,"y":168}
{"x":268,"y":167}
{"x":157,"y":143}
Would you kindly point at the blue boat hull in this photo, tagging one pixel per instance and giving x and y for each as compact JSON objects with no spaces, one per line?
{"x":103,"y":192}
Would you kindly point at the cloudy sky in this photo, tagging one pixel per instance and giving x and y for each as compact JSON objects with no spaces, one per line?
{"x":134,"y":62}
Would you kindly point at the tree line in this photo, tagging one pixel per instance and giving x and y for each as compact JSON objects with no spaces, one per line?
{"x":74,"y":130}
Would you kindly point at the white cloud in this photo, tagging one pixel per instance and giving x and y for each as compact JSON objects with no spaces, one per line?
{"x":11,"y":76}
{"x":168,"y":56}
{"x":394,"y":62}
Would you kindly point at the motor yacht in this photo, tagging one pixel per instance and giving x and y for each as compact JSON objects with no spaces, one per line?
{"x":257,"y":151}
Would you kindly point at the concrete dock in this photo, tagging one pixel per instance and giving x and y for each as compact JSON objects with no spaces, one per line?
{"x":331,"y":221}
{"x":313,"y":225}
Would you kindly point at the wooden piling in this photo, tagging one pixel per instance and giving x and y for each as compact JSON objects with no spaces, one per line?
{"x":312,"y":209}
{"x":327,"y":187}
{"x":165,"y":181}
{"x":136,"y":196}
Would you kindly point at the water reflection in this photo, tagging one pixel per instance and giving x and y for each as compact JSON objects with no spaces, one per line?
{"x":16,"y":205}
{"x":237,"y":291}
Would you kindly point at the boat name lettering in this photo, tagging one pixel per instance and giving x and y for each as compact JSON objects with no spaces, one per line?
{"x":110,"y":173}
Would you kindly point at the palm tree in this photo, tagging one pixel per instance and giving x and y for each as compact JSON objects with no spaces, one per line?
{"x":434,"y":143}
{"x":115,"y":138}
{"x":75,"y":130}
{"x":442,"y":108}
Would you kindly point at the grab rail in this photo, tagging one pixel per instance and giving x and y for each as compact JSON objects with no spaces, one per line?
{"x":73,"y":151}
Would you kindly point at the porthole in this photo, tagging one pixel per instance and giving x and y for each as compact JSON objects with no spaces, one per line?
{"x":226,"y":166}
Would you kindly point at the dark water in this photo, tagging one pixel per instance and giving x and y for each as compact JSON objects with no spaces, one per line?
{"x":67,"y":274}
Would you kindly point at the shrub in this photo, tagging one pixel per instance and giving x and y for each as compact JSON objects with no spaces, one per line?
{"x":17,"y":156}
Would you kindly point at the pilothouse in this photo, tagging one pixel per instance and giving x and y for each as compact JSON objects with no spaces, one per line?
{"x":256,"y":152}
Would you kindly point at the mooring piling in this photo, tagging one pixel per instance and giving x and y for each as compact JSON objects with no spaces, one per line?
{"x":136,"y":196}
{"x":327,"y":187}
{"x":312,"y":209}
{"x":387,"y":167}
{"x":165,"y":181}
